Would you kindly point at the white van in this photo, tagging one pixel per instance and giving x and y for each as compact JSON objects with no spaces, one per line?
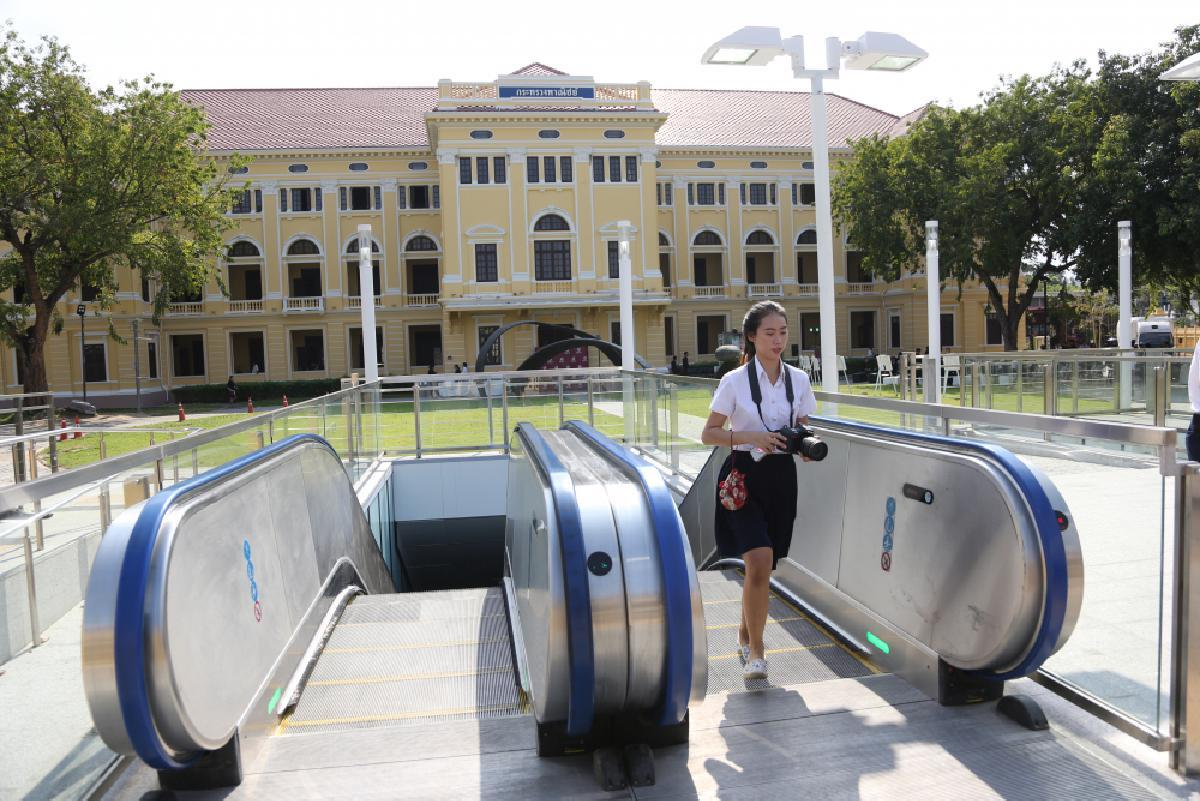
{"x":1155,"y":332}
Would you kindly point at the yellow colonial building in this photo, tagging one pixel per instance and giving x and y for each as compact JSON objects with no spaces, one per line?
{"x":498,"y":201}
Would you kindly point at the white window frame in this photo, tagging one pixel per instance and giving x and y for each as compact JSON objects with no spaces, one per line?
{"x":314,"y":212}
{"x":408,"y":209}
{"x":229,"y":349}
{"x":171,"y":354}
{"x":291,"y":351}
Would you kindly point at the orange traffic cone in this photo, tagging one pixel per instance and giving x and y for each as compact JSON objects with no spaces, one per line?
{"x":285,"y":403}
{"x":78,"y":434}
{"x":62,"y":424}
{"x":182,"y":414}
{"x":249,"y":405}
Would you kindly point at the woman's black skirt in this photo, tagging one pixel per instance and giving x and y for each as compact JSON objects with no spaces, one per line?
{"x":766,"y":519}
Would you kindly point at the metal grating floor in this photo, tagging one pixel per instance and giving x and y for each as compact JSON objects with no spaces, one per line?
{"x":798,"y":652}
{"x":414,"y":657}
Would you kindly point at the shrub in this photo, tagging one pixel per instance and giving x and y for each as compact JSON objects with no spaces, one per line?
{"x":261,"y":391}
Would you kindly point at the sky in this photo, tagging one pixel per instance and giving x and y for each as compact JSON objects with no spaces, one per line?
{"x":303,"y":43}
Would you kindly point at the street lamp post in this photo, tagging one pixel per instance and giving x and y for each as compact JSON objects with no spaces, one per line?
{"x":81,"y":310}
{"x":887,"y":52}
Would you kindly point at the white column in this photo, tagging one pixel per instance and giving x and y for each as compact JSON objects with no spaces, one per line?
{"x":366,"y":295}
{"x":1125,"y":300}
{"x":625,"y":285}
{"x":933,"y":386}
{"x":820,"y":136}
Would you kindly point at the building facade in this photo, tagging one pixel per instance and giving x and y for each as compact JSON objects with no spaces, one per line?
{"x":495,"y":202}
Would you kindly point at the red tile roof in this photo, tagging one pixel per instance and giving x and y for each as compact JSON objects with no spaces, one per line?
{"x":299,"y":119}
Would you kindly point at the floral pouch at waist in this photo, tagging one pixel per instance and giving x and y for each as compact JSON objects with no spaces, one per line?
{"x":732,"y":491}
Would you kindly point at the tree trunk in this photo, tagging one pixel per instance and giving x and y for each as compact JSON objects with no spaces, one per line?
{"x":31,"y":352}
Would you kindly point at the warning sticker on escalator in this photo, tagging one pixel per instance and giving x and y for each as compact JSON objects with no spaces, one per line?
{"x":889,"y":529}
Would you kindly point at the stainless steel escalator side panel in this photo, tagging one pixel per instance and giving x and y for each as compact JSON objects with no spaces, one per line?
{"x":606,"y":584}
{"x":532,"y":550}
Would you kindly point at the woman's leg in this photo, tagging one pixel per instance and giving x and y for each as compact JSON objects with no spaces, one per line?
{"x":756,"y":596}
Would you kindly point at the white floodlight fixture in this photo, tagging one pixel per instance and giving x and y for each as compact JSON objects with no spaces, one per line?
{"x":1186,"y":70}
{"x":754,"y":45}
{"x":885,"y":52}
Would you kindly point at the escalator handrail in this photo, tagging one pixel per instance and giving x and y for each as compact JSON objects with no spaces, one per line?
{"x":670,"y":540}
{"x":129,"y":630}
{"x":577,"y":597}
{"x":1054,"y":556}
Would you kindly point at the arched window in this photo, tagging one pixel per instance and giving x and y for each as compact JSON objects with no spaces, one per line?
{"x":808,"y":237}
{"x":352,"y":248}
{"x":759,"y":238}
{"x":303,"y":247}
{"x":419,"y":243}
{"x":706,"y":239}
{"x":242,"y":250}
{"x":663,"y":241}
{"x":551,"y":222}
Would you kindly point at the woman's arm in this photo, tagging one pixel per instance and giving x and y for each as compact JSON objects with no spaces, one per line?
{"x":714,"y":433}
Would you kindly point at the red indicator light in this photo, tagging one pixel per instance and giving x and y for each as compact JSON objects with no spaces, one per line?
{"x":1061,"y":519}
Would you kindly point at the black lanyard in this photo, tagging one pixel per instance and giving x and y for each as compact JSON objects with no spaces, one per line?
{"x":756,"y":392}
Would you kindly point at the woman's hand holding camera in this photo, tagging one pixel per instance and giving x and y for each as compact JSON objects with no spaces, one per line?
{"x":769,"y":441}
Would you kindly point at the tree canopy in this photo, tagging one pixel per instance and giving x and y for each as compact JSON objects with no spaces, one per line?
{"x":1030,"y":182}
{"x":93,"y":181}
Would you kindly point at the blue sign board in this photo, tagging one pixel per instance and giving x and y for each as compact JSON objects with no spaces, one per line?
{"x":548,"y":92}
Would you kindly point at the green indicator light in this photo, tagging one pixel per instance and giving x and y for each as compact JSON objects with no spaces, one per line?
{"x":274,"y":700}
{"x":878,"y":643}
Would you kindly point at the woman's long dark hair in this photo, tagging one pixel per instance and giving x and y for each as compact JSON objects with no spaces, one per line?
{"x":753,"y":320}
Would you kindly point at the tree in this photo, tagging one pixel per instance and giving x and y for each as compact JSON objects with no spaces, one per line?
{"x":94,"y":181}
{"x":997,"y":178}
{"x":1146,"y":169}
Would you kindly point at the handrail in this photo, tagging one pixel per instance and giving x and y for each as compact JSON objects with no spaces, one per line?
{"x":67,"y":430}
{"x":30,"y":491}
{"x":129,"y":620}
{"x":577,"y":597}
{"x":669,"y":539}
{"x":1054,"y":557}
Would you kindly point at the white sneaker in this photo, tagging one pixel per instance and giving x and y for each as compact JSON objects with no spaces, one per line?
{"x":744,"y":653}
{"x":755,"y":669}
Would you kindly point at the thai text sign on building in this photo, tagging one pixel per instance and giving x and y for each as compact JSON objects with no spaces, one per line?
{"x":549,"y":92}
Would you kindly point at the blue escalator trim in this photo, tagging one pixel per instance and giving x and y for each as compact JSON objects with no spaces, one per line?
{"x":129,"y":630}
{"x":670,"y":539}
{"x":1054,"y":554}
{"x":580,"y":654}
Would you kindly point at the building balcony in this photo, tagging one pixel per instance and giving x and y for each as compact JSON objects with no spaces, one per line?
{"x":245,"y":306}
{"x":304,"y":304}
{"x":417,"y":301}
{"x":765,"y":290}
{"x":860,"y":288}
{"x":710,"y":291}
{"x":187,"y":309}
{"x":355,"y":301}
{"x":808,"y":289}
{"x":553,"y":287}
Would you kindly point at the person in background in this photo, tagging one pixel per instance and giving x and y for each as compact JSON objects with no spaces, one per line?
{"x":231,"y":388}
{"x":464,"y":368}
{"x":674,"y":365}
{"x":686,"y":363}
{"x":1193,"y":432}
{"x":431,"y":370}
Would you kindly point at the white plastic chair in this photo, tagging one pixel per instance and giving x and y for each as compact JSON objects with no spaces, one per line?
{"x":951,"y":363}
{"x":884,"y":372}
{"x":843,"y":369}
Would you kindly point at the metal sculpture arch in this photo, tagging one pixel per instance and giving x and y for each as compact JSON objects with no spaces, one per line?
{"x":576,"y":338}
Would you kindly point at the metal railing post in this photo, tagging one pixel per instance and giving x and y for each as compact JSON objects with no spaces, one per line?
{"x":350,"y":430}
{"x":674,"y":424}
{"x":19,"y":448}
{"x":39,"y":533}
{"x":591,"y":404}
{"x":52,"y":423}
{"x":105,"y":508}
{"x":487,"y":396}
{"x":504,"y":413}
{"x":417,"y":416}
{"x":35,"y":626}
{"x":987,"y":384}
{"x":1048,"y":388}
{"x":1162,"y":389}
{"x":652,"y":410}
{"x":261,"y":439}
{"x":195,"y":462}
{"x":271,"y":429}
{"x":976,"y":377}
{"x":1075,"y":386}
{"x":1020,"y":386}
{"x":1185,"y":625}
{"x":103,"y":447}
{"x":158,"y":467}
{"x":561,"y":412}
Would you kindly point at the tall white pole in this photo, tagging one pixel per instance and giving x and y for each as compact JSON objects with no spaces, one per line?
{"x":366,"y":295}
{"x":1125,"y":301}
{"x":820,"y":150}
{"x":625,"y":288}
{"x":933,"y":388}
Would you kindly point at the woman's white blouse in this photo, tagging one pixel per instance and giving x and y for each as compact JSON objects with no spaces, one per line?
{"x":733,"y":400}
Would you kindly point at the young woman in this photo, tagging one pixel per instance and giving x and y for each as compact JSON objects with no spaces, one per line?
{"x":760,"y":532}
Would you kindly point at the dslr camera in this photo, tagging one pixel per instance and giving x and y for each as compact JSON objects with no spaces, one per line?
{"x":798,"y":440}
